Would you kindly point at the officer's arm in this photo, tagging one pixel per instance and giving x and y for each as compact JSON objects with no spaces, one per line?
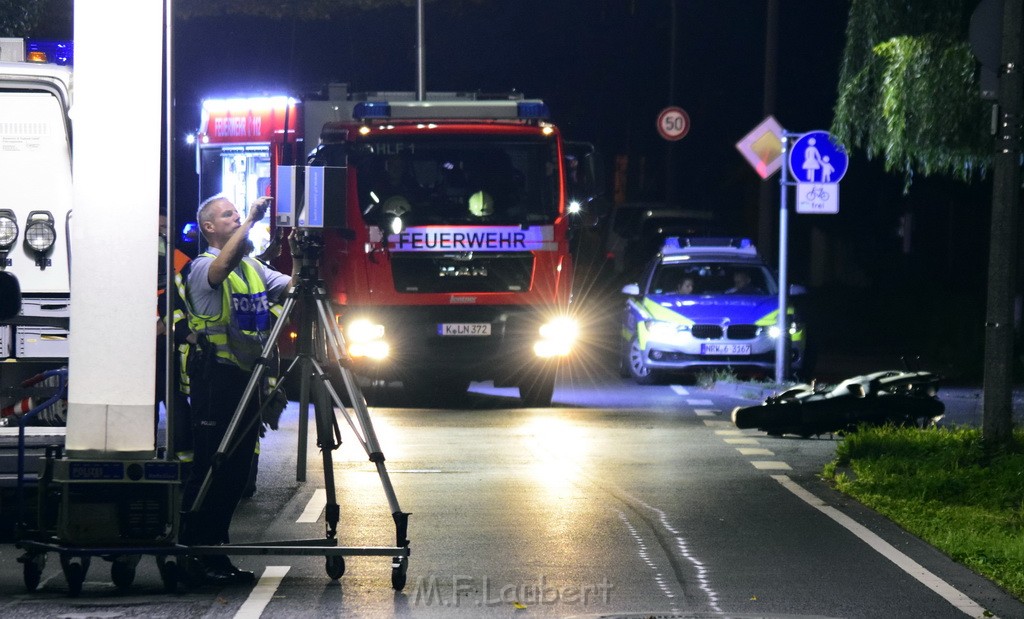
{"x":231,"y":254}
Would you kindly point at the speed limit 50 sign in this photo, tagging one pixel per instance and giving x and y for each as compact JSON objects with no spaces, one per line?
{"x":673,"y":123}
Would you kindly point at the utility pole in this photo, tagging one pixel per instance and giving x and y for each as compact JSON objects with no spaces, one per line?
{"x":997,"y":411}
{"x":771,"y":55}
{"x":670,"y":186}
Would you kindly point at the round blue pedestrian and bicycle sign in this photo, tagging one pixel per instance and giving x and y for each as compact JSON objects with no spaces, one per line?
{"x":817,"y":158}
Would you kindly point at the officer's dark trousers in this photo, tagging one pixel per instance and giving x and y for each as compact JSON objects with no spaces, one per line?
{"x":216,"y":391}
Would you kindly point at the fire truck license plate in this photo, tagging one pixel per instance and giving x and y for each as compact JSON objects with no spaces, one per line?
{"x":464,"y":328}
{"x":725,"y":349}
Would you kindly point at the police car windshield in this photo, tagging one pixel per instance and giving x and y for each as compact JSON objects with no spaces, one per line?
{"x":713,"y":278}
{"x":458,"y":179}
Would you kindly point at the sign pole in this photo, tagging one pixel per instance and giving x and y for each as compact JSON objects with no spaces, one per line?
{"x":781,"y":343}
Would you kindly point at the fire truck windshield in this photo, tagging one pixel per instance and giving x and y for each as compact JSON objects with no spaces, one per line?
{"x":455,"y":180}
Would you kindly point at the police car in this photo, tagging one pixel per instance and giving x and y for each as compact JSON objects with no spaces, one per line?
{"x":704,"y":303}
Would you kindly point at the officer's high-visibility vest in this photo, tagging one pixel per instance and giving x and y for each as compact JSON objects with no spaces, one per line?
{"x":237,"y":333}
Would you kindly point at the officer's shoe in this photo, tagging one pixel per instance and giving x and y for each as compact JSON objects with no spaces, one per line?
{"x":236,"y":576}
{"x":199,"y":571}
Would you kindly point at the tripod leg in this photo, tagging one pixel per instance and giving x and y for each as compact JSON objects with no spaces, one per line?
{"x":367,"y":435}
{"x":328,"y":439}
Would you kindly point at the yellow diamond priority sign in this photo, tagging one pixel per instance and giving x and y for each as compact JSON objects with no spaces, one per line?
{"x":762,"y":147}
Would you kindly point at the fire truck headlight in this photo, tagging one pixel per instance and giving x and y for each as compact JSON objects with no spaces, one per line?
{"x":575,"y":207}
{"x":366,"y":339}
{"x":39,"y":231}
{"x":557,"y":338}
{"x":8,"y":229}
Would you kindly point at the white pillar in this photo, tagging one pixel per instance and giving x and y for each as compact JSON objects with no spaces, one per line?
{"x":116,"y":125}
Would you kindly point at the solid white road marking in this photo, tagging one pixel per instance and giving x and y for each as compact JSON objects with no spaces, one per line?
{"x":315,"y":507}
{"x":262,"y":593}
{"x":908,"y":565}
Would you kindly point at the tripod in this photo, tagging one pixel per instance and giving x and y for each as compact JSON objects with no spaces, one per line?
{"x":320,"y":341}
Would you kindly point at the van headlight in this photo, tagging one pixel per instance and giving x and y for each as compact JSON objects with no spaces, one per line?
{"x":8,"y":230}
{"x":39,"y":231}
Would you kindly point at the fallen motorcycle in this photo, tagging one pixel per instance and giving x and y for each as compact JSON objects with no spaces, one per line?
{"x":888,"y":397}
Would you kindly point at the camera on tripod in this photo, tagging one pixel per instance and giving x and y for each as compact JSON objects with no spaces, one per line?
{"x":311,"y":197}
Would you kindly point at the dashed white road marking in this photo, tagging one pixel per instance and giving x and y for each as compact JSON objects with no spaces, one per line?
{"x":755,"y":451}
{"x":315,"y":507}
{"x":696,"y":402}
{"x":681,"y":390}
{"x":908,"y":565}
{"x":718,"y":423}
{"x":263,"y":592}
{"x":706,"y":412}
{"x":729,"y":432}
{"x":770,"y":465}
{"x":741,"y":441}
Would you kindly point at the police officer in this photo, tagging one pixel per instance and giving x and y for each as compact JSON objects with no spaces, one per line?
{"x":229,"y":297}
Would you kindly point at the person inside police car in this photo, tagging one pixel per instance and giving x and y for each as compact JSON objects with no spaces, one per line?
{"x":228,"y":296}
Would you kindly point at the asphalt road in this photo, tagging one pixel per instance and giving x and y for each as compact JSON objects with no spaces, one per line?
{"x":619,"y":501}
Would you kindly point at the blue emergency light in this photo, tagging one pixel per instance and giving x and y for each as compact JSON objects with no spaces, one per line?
{"x":470,"y":109}
{"x":56,"y":52}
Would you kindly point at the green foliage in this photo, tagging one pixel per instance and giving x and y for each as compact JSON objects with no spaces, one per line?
{"x":908,"y":89}
{"x":943,"y":486}
{"x":19,"y":17}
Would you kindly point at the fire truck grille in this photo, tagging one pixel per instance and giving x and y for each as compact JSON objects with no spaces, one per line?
{"x":462,"y":273}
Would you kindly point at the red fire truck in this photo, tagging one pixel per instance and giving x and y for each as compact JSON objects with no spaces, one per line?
{"x":446,"y":241}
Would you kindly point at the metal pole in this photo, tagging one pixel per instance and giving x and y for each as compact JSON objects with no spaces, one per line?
{"x":421,"y":88}
{"x":783,"y":339}
{"x":670,"y":190}
{"x":170,"y":350}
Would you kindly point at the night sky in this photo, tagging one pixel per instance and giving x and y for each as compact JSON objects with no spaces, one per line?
{"x":603,"y":67}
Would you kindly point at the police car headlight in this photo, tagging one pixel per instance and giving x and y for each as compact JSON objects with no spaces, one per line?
{"x":557,"y":338}
{"x":773,"y":331}
{"x":39,"y":231}
{"x":8,"y":229}
{"x":662,"y":331}
{"x":366,"y":339}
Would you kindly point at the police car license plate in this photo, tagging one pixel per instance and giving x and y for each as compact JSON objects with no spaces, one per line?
{"x":725,"y":349}
{"x":464,"y":328}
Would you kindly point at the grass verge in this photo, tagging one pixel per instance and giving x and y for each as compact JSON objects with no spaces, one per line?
{"x":942,"y":486}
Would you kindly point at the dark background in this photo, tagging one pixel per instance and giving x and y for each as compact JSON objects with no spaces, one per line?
{"x":894,"y":272}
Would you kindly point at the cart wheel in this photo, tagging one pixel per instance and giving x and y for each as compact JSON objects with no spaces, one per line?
{"x":74,"y":574}
{"x":399,"y":567}
{"x":168,"y":573}
{"x":32,"y":570}
{"x":335,"y":566}
{"x":122,"y":573}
